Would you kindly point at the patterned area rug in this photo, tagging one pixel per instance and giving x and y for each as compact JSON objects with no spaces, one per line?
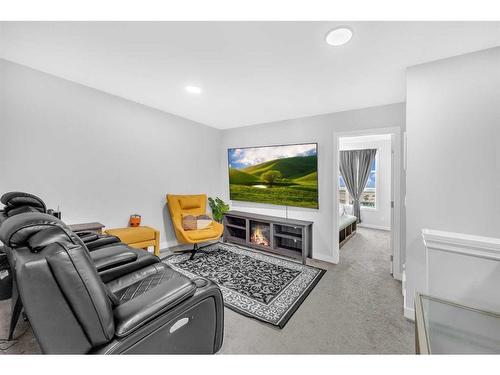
{"x":261,"y":286}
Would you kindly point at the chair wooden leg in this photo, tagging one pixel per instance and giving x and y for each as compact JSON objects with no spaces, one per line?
{"x":157,"y":244}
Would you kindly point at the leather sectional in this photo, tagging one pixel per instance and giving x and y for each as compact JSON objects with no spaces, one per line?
{"x":113,"y":299}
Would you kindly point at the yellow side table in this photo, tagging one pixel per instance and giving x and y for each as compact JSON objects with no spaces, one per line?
{"x":138,"y":237}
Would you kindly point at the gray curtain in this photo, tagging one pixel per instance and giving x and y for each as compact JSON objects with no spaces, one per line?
{"x":355,"y":169}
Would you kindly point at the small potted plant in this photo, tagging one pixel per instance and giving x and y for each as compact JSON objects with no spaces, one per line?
{"x":218,"y":207}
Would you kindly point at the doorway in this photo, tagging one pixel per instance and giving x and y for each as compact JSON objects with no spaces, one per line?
{"x":377,"y":223}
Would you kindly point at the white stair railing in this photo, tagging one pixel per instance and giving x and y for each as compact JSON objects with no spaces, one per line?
{"x":463,"y":267}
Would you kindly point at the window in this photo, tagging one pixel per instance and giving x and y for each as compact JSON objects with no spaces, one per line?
{"x":368,"y":198}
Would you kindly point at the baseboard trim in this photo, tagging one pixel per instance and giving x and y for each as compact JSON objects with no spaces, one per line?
{"x":403,"y":284}
{"x":325,"y":258}
{"x":409,"y":313}
{"x":167,"y":244}
{"x":373,"y":226}
{"x":397,"y":276}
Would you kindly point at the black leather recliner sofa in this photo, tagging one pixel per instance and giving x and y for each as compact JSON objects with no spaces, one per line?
{"x":111,"y":257}
{"x":71,"y":310}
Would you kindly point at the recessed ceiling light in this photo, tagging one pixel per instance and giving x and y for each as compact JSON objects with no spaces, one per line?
{"x":193,"y":89}
{"x":339,"y":36}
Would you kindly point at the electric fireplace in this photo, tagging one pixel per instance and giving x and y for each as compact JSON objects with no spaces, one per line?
{"x":287,"y":237}
{"x":260,"y":233}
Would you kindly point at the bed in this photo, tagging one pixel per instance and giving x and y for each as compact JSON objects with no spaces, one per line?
{"x":347,"y":225}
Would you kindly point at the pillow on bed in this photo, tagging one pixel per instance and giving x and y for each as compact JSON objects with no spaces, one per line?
{"x":348,"y":209}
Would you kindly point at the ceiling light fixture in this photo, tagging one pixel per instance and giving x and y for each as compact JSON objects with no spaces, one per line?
{"x":338,"y":36}
{"x":193,"y":89}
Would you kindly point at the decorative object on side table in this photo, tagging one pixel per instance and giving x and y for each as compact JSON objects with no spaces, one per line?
{"x":218,"y":207}
{"x":135,"y":220}
{"x":138,"y":237}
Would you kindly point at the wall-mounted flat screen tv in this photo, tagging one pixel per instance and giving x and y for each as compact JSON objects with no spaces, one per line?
{"x":284,"y":175}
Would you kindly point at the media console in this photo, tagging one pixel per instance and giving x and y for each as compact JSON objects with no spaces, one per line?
{"x":288,"y":237}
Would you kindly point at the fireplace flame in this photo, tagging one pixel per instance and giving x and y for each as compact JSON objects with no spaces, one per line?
{"x":258,"y":236}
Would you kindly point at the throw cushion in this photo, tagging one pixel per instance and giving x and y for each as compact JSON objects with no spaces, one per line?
{"x":192,"y":222}
{"x":203,"y":222}
{"x":188,"y":222}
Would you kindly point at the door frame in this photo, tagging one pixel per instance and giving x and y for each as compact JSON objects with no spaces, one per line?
{"x":396,"y":194}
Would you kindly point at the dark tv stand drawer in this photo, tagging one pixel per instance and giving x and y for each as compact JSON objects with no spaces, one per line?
{"x":277,"y":235}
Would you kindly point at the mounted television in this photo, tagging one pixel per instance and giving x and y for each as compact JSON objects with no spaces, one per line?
{"x":284,"y":175}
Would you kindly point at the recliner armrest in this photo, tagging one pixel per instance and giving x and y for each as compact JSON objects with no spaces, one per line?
{"x":94,"y":241}
{"x":109,"y":257}
{"x":102,"y":241}
{"x":136,"y":312}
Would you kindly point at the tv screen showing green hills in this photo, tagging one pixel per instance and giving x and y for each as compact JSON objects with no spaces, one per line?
{"x":282,"y":175}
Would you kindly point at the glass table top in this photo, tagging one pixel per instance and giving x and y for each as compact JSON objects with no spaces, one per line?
{"x":451,"y":328}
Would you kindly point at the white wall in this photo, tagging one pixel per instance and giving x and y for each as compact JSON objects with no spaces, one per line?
{"x":97,"y":156}
{"x":453,"y":173}
{"x":58,"y":130}
{"x":463,"y":268}
{"x":380,"y":217}
{"x":318,"y":129}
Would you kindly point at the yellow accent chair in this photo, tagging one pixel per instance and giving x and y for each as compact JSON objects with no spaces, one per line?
{"x":192,"y":205}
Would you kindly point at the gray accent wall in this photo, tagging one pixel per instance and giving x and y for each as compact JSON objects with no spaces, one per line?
{"x":453,"y":173}
{"x":318,"y":129}
{"x":99,"y":157}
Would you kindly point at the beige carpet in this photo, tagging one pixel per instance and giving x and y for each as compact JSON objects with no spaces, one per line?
{"x":355,"y":308}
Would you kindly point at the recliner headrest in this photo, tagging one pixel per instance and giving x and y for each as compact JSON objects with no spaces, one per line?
{"x":45,"y":237}
{"x":16,"y":199}
{"x":12,"y":211}
{"x":16,"y":230}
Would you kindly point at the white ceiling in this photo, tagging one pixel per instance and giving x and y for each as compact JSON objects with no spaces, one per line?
{"x":250,"y":72}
